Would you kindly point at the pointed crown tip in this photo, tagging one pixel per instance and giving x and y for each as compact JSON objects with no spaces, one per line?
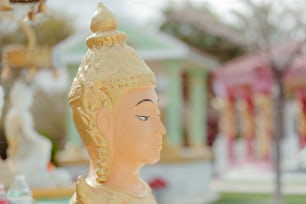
{"x":103,"y":20}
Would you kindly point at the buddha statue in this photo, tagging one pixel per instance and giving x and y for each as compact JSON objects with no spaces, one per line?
{"x":1,"y":100}
{"x":115,"y":110}
{"x":5,"y":175}
{"x":29,"y":150}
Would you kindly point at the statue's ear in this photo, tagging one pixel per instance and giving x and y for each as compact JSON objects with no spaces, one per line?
{"x":104,"y":121}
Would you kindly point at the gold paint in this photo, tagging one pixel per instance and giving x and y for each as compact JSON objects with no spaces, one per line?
{"x":109,"y":69}
{"x":5,"y":5}
{"x":102,"y":194}
{"x":49,"y":193}
{"x":97,"y":41}
{"x":264,"y":124}
{"x":31,"y":57}
{"x":103,"y":20}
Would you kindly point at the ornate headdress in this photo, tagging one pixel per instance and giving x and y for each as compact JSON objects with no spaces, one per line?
{"x":109,"y":69}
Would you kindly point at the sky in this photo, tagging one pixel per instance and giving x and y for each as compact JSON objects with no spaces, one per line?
{"x":143,"y":12}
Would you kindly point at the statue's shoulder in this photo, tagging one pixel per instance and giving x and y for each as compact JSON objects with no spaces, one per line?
{"x":87,"y":194}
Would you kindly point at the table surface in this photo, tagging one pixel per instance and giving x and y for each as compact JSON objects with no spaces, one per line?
{"x":53,"y":201}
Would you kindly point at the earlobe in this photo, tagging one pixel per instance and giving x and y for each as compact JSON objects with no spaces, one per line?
{"x":103,"y":120}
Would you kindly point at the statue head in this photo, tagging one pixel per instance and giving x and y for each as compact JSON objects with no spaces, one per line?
{"x":21,"y":95}
{"x":113,"y":101}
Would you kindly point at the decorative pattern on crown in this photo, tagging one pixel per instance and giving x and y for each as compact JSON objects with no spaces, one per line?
{"x":104,"y":28}
{"x":106,"y":39}
{"x":144,"y":79}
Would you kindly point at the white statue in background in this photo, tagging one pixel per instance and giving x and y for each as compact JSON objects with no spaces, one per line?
{"x":29,"y":152}
{"x":6,"y":175}
{"x":1,"y":100}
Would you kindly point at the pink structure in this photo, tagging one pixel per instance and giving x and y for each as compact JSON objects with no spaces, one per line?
{"x":245,"y":88}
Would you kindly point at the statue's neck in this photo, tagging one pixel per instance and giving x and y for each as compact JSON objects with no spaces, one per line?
{"x":124,"y":174}
{"x":125,"y":179}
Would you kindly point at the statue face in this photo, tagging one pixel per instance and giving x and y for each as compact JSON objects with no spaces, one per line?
{"x":137,"y":128}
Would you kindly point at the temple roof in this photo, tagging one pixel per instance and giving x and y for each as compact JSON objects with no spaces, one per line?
{"x":151,"y":45}
{"x":255,"y":69}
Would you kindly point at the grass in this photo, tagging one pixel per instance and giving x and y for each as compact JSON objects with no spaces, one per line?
{"x":241,"y":198}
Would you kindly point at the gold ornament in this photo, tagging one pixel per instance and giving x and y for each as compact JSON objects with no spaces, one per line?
{"x":5,"y":5}
{"x":108,"y":70}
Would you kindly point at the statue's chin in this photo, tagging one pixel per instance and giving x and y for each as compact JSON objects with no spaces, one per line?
{"x":154,"y":160}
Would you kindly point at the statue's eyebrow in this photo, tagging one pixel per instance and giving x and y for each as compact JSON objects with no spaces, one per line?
{"x":144,"y":100}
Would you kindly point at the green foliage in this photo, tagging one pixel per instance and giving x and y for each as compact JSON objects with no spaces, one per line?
{"x":55,"y":146}
{"x":211,"y":44}
{"x":214,"y":45}
{"x":243,"y":198}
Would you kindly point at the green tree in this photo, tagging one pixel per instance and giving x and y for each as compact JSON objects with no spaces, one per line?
{"x":203,"y":30}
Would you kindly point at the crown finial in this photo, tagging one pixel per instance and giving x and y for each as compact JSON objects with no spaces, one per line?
{"x":103,"y":20}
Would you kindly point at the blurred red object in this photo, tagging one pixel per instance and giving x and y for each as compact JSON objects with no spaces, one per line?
{"x":158,"y":183}
{"x":50,"y":166}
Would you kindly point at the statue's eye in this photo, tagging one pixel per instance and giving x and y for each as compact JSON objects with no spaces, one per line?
{"x":142,"y":117}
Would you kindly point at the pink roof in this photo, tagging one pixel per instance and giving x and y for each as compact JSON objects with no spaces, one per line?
{"x":254,"y":71}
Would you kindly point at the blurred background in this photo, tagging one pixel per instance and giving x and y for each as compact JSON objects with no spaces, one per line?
{"x":231,"y":82}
